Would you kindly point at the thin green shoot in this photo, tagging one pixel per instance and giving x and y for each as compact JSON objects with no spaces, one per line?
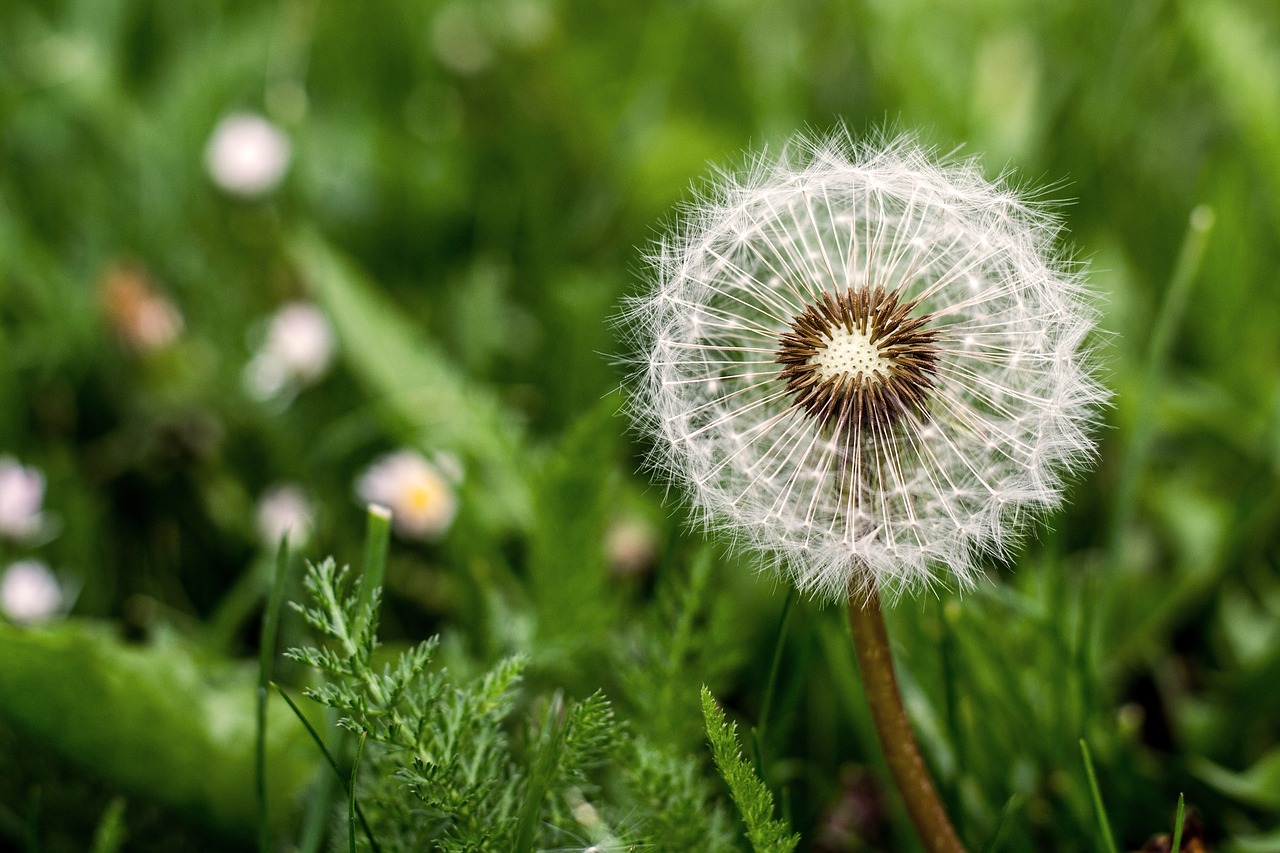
{"x":351,"y":794}
{"x":1010,"y":806}
{"x":1099,"y":809}
{"x":324,"y":750}
{"x":266,"y":657}
{"x":1178,"y":820}
{"x":766,"y":704}
{"x":377,"y":537}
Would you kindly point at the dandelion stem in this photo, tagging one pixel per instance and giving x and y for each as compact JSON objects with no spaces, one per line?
{"x":871,"y":643}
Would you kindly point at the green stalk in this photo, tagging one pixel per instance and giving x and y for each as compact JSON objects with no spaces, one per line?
{"x":906,"y":765}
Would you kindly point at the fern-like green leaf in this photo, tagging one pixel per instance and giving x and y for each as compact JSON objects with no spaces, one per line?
{"x":750,"y":795}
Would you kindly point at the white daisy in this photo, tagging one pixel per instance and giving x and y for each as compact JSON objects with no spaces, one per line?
{"x":419,"y":494}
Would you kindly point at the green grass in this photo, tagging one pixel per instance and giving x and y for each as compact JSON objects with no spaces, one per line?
{"x":471,"y":194}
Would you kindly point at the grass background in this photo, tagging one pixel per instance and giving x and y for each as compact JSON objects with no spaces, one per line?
{"x":472,"y":189}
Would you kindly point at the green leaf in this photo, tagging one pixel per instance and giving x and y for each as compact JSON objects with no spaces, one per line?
{"x":1258,"y":786}
{"x":750,"y":795}
{"x":1266,"y":843}
{"x":156,"y":721}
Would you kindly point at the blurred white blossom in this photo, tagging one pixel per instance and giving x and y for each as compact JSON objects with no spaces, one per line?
{"x":21,"y":498}
{"x":247,"y":155}
{"x":29,"y":593}
{"x":630,"y":546}
{"x":419,"y":494}
{"x":282,"y":509}
{"x":298,"y":351}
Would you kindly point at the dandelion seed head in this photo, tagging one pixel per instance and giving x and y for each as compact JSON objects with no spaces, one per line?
{"x":866,"y":361}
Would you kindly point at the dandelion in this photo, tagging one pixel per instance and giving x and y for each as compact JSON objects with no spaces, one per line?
{"x":284,"y":510}
{"x":21,"y":497}
{"x":298,"y":351}
{"x":419,"y":494}
{"x":870,"y":364}
{"x":29,"y":593}
{"x":867,"y":363}
{"x":247,"y":155}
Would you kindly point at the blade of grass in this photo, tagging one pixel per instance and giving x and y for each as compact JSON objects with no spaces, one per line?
{"x":766,"y":704}
{"x":1009,"y":806}
{"x":1099,"y":809}
{"x":352,"y":808}
{"x":1176,"y":844}
{"x":324,"y":750}
{"x":110,"y":835}
{"x":1159,"y":346}
{"x":315,"y":823}
{"x":544,"y":765}
{"x":266,"y":657}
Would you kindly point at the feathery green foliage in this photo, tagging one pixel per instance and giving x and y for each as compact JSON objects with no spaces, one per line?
{"x":447,"y":768}
{"x":754,"y":802}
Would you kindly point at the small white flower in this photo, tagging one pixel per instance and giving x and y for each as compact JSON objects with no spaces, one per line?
{"x":421,"y":498}
{"x":21,"y":497}
{"x":29,"y":593}
{"x":247,"y":155}
{"x":867,"y":362}
{"x":298,"y":351}
{"x":285,"y":509}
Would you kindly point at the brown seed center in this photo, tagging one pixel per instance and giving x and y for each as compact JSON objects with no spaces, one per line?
{"x":858,"y":358}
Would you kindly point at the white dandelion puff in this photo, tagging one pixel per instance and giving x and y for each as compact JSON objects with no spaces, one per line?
{"x":868,"y":362}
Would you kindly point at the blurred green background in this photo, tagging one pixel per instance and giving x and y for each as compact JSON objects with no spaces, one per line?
{"x":470,"y":190}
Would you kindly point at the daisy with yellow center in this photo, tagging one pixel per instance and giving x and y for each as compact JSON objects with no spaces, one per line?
{"x":419,"y":494}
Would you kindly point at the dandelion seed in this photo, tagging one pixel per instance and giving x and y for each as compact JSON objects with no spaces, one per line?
{"x":21,"y":498}
{"x":419,"y":494}
{"x":867,"y":362}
